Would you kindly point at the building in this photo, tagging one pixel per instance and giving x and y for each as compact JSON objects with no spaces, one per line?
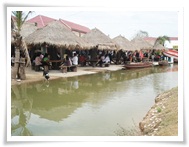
{"x":40,"y":21}
{"x":173,"y":44}
{"x":77,"y":29}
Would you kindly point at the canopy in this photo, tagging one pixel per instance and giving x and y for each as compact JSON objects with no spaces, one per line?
{"x":123,"y":43}
{"x":55,"y":33}
{"x":97,"y":38}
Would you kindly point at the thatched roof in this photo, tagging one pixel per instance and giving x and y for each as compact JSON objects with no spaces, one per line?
{"x":150,"y":40}
{"x":123,"y":43}
{"x":55,"y":33}
{"x":140,"y":43}
{"x":27,"y":29}
{"x":97,"y":38}
{"x":159,"y":46}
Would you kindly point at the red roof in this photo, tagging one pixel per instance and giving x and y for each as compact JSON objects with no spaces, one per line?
{"x":150,"y":38}
{"x":41,"y":20}
{"x":75,"y":27}
{"x":173,"y":38}
{"x":154,"y":38}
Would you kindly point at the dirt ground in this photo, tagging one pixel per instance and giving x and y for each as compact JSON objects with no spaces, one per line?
{"x":162,"y":118}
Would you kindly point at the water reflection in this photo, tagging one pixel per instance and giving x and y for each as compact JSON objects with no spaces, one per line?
{"x":21,"y":106}
{"x":60,"y":99}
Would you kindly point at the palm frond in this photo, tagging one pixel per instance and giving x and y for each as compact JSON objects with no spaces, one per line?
{"x":161,"y":40}
{"x":20,"y":18}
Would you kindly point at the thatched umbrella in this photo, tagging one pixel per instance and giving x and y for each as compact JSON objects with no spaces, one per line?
{"x":123,"y":43}
{"x":97,"y":38}
{"x":140,"y":43}
{"x":55,"y":33}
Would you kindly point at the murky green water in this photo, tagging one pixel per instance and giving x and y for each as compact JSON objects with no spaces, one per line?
{"x":91,"y":105}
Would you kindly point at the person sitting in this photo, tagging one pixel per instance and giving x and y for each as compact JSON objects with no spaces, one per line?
{"x":106,"y":59}
{"x":38,"y":63}
{"x":82,"y":60}
{"x":66,"y":64}
{"x":45,"y":62}
{"x":137,"y":56}
{"x":101,"y":60}
{"x":68,"y":61}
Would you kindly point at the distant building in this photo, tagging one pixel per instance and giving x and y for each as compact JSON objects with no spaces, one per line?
{"x":41,"y":21}
{"x":173,"y":44}
{"x":77,"y":29}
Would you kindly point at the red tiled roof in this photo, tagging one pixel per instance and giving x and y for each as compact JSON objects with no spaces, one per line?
{"x":41,"y":20}
{"x":173,"y":38}
{"x":75,"y":27}
{"x":154,"y":38}
{"x":150,"y":38}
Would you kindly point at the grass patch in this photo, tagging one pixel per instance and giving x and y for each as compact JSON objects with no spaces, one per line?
{"x":132,"y":131}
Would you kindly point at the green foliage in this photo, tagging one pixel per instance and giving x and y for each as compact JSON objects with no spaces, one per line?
{"x":20,"y":18}
{"x":161,"y":40}
{"x":175,"y":47}
{"x":141,"y":34}
{"x":133,"y":131}
{"x":158,"y":110}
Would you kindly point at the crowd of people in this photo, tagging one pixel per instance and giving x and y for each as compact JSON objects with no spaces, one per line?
{"x":99,"y":57}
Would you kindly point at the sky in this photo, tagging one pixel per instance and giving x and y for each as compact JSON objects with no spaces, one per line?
{"x":114,"y":22}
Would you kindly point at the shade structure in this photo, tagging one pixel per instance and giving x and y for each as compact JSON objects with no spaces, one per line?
{"x":159,"y":47}
{"x":123,"y":43}
{"x":27,"y":29}
{"x":140,"y":43}
{"x":97,"y":38}
{"x":150,"y":40}
{"x":55,"y":33}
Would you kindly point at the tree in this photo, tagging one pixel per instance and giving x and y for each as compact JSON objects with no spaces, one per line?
{"x":161,"y":40}
{"x":21,"y":51}
{"x":141,"y":34}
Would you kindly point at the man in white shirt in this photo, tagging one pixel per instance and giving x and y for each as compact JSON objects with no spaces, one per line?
{"x":106,"y":59}
{"x":75,"y":59}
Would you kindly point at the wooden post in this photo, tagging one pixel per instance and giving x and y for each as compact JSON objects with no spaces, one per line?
{"x":22,"y":69}
{"x":15,"y":72}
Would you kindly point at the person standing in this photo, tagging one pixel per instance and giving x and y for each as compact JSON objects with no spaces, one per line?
{"x":75,"y":59}
{"x":45,"y":62}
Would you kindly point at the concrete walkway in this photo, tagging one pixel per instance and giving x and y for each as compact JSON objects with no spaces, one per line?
{"x":33,"y":76}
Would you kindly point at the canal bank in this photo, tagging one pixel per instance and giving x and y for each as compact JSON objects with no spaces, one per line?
{"x":162,"y":118}
{"x":33,"y":76}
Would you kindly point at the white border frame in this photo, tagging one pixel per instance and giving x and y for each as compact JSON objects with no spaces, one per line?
{"x":98,"y":138}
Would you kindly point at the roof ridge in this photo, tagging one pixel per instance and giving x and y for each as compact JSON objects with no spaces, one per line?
{"x":41,"y":20}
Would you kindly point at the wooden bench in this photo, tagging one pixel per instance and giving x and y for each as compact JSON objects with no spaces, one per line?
{"x":55,"y":63}
{"x":65,"y":69}
{"x":92,"y":62}
{"x":105,"y":64}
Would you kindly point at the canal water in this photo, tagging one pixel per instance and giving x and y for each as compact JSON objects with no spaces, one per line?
{"x":102,"y":104}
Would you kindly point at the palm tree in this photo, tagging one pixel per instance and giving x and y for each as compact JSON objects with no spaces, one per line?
{"x":161,"y":40}
{"x":141,"y":34}
{"x":21,"y":51}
